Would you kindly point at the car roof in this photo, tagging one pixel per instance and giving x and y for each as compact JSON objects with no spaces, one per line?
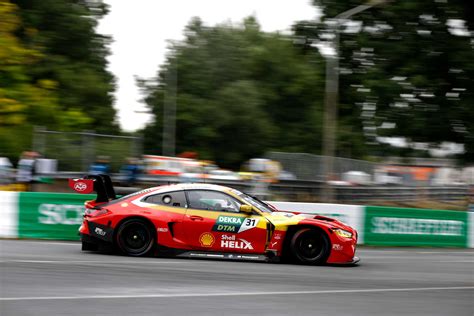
{"x":189,"y":186}
{"x":180,"y":186}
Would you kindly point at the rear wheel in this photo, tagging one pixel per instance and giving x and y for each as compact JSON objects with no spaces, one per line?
{"x":310,"y":246}
{"x":135,"y":237}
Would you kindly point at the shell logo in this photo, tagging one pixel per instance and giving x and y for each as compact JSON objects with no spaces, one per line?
{"x":206,"y":240}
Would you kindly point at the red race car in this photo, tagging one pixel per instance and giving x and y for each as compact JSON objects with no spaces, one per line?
{"x":205,"y":220}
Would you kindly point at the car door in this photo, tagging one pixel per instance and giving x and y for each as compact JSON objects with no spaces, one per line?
{"x":213,"y":222}
{"x":167,"y":210}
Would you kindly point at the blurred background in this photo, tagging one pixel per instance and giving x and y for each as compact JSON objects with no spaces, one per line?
{"x":351,"y":101}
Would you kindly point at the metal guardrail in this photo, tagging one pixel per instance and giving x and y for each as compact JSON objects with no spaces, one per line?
{"x":297,"y":190}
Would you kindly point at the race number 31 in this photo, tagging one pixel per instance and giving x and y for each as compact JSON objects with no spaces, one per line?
{"x":248,"y":223}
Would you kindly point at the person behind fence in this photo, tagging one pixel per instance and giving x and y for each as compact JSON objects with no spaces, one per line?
{"x":26,"y":169}
{"x":100,"y":166}
{"x":130,"y":170}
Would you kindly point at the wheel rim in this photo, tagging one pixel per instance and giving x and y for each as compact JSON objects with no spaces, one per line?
{"x":310,"y":246}
{"x":135,"y":238}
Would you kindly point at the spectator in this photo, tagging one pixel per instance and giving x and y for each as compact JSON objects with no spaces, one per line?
{"x":26,"y":169}
{"x":100,"y":166}
{"x":6,"y":171}
{"x":130,"y":171}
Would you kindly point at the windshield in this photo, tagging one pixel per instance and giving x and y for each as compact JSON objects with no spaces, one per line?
{"x":262,"y":206}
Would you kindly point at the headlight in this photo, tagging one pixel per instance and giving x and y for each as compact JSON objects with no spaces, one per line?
{"x":343,"y":233}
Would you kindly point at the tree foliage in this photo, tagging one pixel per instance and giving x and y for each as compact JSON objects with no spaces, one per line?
{"x":408,"y":66}
{"x":74,"y":56}
{"x":52,"y":70}
{"x":240,"y":92}
{"x":21,"y":100}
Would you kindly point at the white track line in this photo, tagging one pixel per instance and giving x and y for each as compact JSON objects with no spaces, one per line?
{"x":412,"y":254}
{"x":50,"y":242}
{"x":92,"y":262}
{"x":179,"y":295}
{"x":164,"y":262}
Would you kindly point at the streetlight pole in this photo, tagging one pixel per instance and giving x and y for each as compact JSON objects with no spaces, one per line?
{"x":331,"y":99}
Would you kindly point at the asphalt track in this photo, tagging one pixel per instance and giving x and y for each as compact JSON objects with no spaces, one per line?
{"x":56,"y":278}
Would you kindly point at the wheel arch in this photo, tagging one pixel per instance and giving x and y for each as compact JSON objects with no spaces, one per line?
{"x":143,"y":218}
{"x":293,"y":229}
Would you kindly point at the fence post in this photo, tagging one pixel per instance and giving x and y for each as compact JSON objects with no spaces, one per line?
{"x":136,"y":147}
{"x":88,"y":149}
{"x":39,"y":139}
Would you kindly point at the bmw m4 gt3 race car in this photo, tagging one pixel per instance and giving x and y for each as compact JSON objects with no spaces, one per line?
{"x":209,"y":221}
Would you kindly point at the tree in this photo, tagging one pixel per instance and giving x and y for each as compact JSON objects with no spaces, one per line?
{"x":52,"y":71}
{"x":21,"y":101}
{"x":408,"y":69}
{"x":74,"y":57}
{"x":240,"y":93}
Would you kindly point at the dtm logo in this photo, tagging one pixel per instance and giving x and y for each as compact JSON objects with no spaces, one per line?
{"x":80,"y":186}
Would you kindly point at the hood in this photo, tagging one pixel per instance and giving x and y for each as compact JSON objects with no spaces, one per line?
{"x":285,"y":218}
{"x":295,"y":217}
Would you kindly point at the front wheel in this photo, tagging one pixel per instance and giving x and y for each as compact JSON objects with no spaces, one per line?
{"x":135,"y":238}
{"x":310,"y":246}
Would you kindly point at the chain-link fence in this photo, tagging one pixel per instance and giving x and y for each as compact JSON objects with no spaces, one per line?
{"x":76,"y":151}
{"x":311,"y":167}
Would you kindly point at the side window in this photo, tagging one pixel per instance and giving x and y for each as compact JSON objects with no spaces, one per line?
{"x":176,"y":199}
{"x":212,"y":201}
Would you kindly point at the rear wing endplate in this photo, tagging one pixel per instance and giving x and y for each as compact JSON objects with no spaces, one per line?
{"x":101,"y":184}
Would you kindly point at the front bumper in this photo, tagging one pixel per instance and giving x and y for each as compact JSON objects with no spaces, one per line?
{"x":343,"y":250}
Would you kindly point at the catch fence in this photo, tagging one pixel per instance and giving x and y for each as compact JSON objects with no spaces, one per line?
{"x":76,"y":151}
{"x":311,"y":167}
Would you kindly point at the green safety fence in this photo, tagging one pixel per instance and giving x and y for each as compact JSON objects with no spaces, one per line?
{"x":390,"y":226}
{"x":50,"y":215}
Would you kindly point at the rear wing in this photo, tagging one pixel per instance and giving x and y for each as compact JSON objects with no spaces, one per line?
{"x":101,"y":184}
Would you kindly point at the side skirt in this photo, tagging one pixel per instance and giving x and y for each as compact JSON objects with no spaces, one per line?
{"x":225,"y":256}
{"x":167,"y":252}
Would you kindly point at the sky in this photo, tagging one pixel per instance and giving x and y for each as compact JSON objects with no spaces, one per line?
{"x":140,"y":30}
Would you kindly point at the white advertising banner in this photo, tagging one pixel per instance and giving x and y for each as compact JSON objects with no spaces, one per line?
{"x":9,"y":214}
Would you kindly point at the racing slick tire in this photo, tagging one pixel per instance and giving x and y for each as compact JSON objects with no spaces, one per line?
{"x":310,"y":246}
{"x":135,"y":238}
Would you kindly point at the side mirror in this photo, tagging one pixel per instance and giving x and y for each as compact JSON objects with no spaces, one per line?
{"x":247,"y":209}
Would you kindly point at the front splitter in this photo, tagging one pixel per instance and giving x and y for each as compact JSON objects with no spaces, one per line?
{"x":352,"y":263}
